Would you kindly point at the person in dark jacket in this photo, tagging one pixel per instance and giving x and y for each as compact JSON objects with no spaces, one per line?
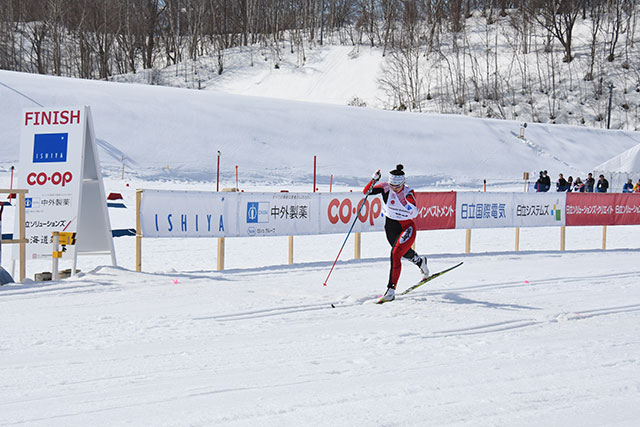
{"x":602,"y":185}
{"x":561,"y":184}
{"x":538,"y":185}
{"x":589,"y":183}
{"x":546,"y":182}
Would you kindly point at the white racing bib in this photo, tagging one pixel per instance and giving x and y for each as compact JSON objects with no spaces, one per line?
{"x":398,"y":207}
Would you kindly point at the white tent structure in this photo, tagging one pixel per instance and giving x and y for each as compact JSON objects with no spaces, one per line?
{"x":620,"y":168}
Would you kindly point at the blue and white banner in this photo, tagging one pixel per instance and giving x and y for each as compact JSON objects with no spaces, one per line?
{"x":278,"y":214}
{"x":492,"y":210}
{"x":214,"y":214}
{"x":188,"y":214}
{"x":539,"y":209}
{"x":484,"y":210}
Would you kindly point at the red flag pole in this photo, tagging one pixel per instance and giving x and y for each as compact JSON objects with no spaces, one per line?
{"x":218,"y":173}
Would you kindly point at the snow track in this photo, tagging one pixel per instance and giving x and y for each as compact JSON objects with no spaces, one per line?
{"x":511,"y":339}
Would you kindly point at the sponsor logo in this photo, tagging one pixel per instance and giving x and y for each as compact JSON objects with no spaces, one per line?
{"x":257,"y":212}
{"x":344,"y":210}
{"x":28,"y":202}
{"x":56,"y":178}
{"x":406,"y":235}
{"x":50,"y":147}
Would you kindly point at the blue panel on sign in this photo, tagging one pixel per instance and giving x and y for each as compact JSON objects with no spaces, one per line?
{"x":50,"y":147}
{"x":257,"y":212}
{"x":252,"y":212}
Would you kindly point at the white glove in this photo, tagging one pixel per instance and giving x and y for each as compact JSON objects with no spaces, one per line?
{"x":376,"y":176}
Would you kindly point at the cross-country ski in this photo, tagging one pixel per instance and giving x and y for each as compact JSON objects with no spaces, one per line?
{"x":422,"y":282}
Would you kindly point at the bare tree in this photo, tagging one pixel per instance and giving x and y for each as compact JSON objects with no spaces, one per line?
{"x":614,"y":24}
{"x":402,"y":78}
{"x":559,"y":18}
{"x":596,"y":13}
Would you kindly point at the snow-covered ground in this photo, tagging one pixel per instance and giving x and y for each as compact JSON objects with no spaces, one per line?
{"x":536,"y":337}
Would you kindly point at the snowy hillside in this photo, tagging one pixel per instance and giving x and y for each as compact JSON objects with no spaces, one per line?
{"x":166,"y":133}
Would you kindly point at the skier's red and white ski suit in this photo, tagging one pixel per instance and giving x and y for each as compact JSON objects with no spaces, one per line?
{"x":399,"y":209}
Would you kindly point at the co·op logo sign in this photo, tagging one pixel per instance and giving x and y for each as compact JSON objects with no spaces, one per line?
{"x":56,"y":178}
{"x":344,"y":210}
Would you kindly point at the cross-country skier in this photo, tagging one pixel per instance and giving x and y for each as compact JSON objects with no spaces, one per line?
{"x":399,"y":209}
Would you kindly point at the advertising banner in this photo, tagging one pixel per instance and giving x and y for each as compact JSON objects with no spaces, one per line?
{"x":484,"y":210}
{"x":212,"y":214}
{"x":278,"y":214}
{"x":490,"y":210}
{"x":437,"y":211}
{"x":539,"y":209}
{"x":590,"y":209}
{"x":339,"y":210}
{"x":627,"y":209}
{"x":188,"y":214}
{"x":603,"y":209}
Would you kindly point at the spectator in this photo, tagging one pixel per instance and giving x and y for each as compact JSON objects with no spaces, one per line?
{"x":589,"y":183}
{"x":561,"y":184}
{"x":602,"y":185}
{"x":546,"y":182}
{"x":636,"y":188}
{"x":578,"y":186}
{"x":569,"y":183}
{"x":628,"y":187}
{"x":538,"y":184}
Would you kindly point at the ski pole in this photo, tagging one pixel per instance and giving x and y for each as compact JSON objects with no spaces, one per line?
{"x":372,"y":182}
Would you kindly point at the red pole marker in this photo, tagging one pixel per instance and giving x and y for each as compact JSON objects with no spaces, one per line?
{"x":314,"y":174}
{"x":11,"y":195}
{"x":218,"y":173}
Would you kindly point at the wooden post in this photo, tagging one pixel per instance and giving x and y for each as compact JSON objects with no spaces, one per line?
{"x":467,"y":245}
{"x":220,"y":253}
{"x":604,"y":237}
{"x":358,"y":245}
{"x":23,"y":245}
{"x":138,"y":231}
{"x":563,"y":237}
{"x":22,"y":239}
{"x":290,"y":250}
{"x":517,"y":239}
{"x":54,"y":258}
